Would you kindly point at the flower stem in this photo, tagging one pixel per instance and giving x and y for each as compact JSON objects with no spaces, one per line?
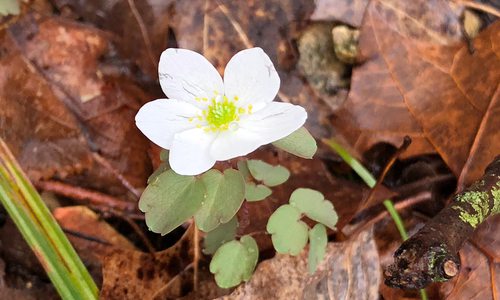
{"x":370,"y":181}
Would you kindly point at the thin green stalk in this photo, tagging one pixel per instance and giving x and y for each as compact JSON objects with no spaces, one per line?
{"x":371,"y":182}
{"x":41,"y":231}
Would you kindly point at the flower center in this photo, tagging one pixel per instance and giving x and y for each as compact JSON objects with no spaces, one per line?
{"x":221,"y":114}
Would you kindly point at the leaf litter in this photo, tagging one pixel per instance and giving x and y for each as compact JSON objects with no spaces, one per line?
{"x":72,"y":83}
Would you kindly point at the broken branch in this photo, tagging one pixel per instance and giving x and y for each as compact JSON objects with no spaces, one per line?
{"x":431,"y":255}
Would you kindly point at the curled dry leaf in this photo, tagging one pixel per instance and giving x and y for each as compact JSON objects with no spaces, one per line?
{"x":350,"y":270}
{"x":420,"y":80}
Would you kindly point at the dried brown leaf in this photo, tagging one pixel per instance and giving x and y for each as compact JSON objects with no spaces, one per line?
{"x":414,"y":84}
{"x":130,"y":274}
{"x":479,"y":276}
{"x":65,"y":117}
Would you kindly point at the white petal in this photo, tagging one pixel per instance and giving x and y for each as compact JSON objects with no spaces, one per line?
{"x":275,"y":121}
{"x":190,"y":152}
{"x":185,"y":75}
{"x":160,"y":120}
{"x":250,"y":75}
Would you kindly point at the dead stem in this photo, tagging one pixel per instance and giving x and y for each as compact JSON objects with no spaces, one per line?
{"x":479,"y":6}
{"x":86,"y":196}
{"x":124,"y":181}
{"x":140,"y":233}
{"x":196,"y":259}
{"x":419,"y":198}
{"x":144,"y":32}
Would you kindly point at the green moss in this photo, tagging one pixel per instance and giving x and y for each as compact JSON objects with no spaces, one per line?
{"x":495,"y":191}
{"x":479,"y":201}
{"x":437,"y":254}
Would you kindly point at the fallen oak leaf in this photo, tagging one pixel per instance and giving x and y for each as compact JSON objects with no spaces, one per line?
{"x":442,"y":96}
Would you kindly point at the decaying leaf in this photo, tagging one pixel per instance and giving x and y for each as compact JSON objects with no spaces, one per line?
{"x":142,"y":38}
{"x":346,"y":11}
{"x":130,"y":274}
{"x":61,"y":110}
{"x":420,"y":80}
{"x":92,"y":237}
{"x":479,"y":276}
{"x":350,"y":270}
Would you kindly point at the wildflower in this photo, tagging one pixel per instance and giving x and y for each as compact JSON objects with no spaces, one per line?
{"x":206,"y":119}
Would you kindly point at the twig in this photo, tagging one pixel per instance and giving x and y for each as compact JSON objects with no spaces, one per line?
{"x":85,"y":237}
{"x":243,"y":36}
{"x":124,"y":181}
{"x":431,"y":254}
{"x":479,"y":6}
{"x":86,"y":196}
{"x":419,"y":198}
{"x":144,"y":32}
{"x":169,"y":284}
{"x":140,"y":234}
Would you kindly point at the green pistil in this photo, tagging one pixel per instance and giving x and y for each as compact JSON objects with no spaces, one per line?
{"x":221,"y":114}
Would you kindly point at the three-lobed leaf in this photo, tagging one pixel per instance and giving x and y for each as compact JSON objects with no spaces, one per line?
{"x":299,"y":143}
{"x":170,"y":199}
{"x":225,"y":193}
{"x":256,"y":192}
{"x":269,"y":175}
{"x":164,"y":166}
{"x":235,"y":262}
{"x":289,"y":233}
{"x":314,"y":205}
{"x":220,"y":235}
{"x":317,"y":246}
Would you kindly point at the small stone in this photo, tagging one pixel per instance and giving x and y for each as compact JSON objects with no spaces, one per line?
{"x":322,"y":69}
{"x":345,"y":43}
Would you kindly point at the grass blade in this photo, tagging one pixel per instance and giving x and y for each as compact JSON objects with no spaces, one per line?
{"x":41,"y":231}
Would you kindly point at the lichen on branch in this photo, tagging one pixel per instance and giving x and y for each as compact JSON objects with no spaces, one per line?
{"x":431,"y":255}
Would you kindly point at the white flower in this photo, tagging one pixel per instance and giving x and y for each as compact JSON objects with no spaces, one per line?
{"x":207,"y":120}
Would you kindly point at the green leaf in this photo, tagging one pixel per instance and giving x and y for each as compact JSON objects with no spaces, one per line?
{"x":289,"y":234}
{"x":313,"y":204}
{"x":256,"y":192}
{"x":270,"y":175}
{"x":225,"y":194}
{"x":317,"y":246}
{"x":220,"y":235}
{"x":9,"y":7}
{"x":299,"y":143}
{"x":243,"y":168}
{"x":235,"y":262}
{"x":170,"y":200}
{"x":164,"y":166}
